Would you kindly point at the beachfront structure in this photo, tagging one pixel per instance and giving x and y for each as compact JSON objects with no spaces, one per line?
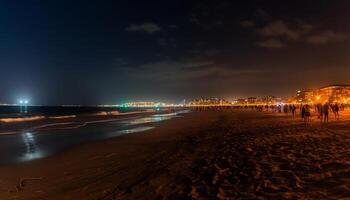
{"x":269,"y":100}
{"x":305,"y":96}
{"x":330,"y":93}
{"x":333,"y":93}
{"x":143,"y":104}
{"x":241,"y":101}
{"x":252,"y":100}
{"x":209,"y":102}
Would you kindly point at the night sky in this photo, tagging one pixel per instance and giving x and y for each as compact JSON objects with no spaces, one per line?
{"x":107,"y":52}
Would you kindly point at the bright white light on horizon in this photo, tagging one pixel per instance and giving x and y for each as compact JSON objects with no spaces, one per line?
{"x":23,"y":101}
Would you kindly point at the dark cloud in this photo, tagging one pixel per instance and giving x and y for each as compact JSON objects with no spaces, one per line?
{"x":326,"y":37}
{"x":247,"y":23}
{"x":185,"y":70}
{"x":280,"y":33}
{"x":305,"y":28}
{"x":205,"y":21}
{"x":147,"y":27}
{"x":262,"y":14}
{"x":271,"y":43}
{"x":167,"y":70}
{"x":277,"y":29}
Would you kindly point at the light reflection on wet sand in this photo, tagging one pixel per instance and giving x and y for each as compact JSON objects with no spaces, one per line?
{"x":128,"y":131}
{"x":32,"y":151}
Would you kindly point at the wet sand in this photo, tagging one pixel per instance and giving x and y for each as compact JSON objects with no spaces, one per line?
{"x":205,"y":155}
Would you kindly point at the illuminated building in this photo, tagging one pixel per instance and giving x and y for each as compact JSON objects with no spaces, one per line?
{"x":241,"y":101}
{"x":209,"y":102}
{"x":269,"y":100}
{"x":333,"y":93}
{"x":330,"y":93}
{"x":252,"y":100}
{"x":143,"y":104}
{"x":304,"y":96}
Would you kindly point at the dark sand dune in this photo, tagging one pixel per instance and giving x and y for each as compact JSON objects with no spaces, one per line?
{"x":208,"y":155}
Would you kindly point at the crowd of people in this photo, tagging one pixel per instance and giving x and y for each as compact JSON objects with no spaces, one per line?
{"x":321,"y":111}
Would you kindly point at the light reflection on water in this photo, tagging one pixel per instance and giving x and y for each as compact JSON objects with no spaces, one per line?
{"x":146,"y":120}
{"x":135,"y":130}
{"x":165,"y":115}
{"x":32,"y":151}
{"x":126,"y":131}
{"x":157,"y":119}
{"x":153,"y":118}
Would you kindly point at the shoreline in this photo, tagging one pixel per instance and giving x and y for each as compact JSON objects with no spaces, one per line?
{"x":14,"y":127}
{"x":180,"y":156}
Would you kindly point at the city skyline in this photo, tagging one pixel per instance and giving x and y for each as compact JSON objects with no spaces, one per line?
{"x":311,"y":95}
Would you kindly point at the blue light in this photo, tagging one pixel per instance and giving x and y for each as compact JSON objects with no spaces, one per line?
{"x":125,"y":105}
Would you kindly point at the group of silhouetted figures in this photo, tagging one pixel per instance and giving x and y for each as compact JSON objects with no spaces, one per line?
{"x":322,"y":110}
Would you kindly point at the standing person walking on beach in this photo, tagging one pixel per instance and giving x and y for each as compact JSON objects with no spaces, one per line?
{"x":285,"y":109}
{"x":336,"y":111}
{"x":293,"y":108}
{"x":307,"y":114}
{"x":321,"y":112}
{"x":303,"y":112}
{"x":325,"y":112}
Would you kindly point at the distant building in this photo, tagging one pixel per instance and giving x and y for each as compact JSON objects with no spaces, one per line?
{"x":242,"y":101}
{"x":209,"y":102}
{"x":143,"y":104}
{"x":333,"y":93}
{"x":269,"y":100}
{"x":305,"y":96}
{"x":330,"y":93}
{"x":252,"y":100}
{"x":292,"y":100}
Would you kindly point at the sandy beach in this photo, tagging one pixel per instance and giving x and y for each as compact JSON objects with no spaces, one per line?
{"x":203,"y":155}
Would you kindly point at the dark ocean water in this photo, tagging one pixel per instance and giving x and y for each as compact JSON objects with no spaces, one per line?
{"x":61,"y":110}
